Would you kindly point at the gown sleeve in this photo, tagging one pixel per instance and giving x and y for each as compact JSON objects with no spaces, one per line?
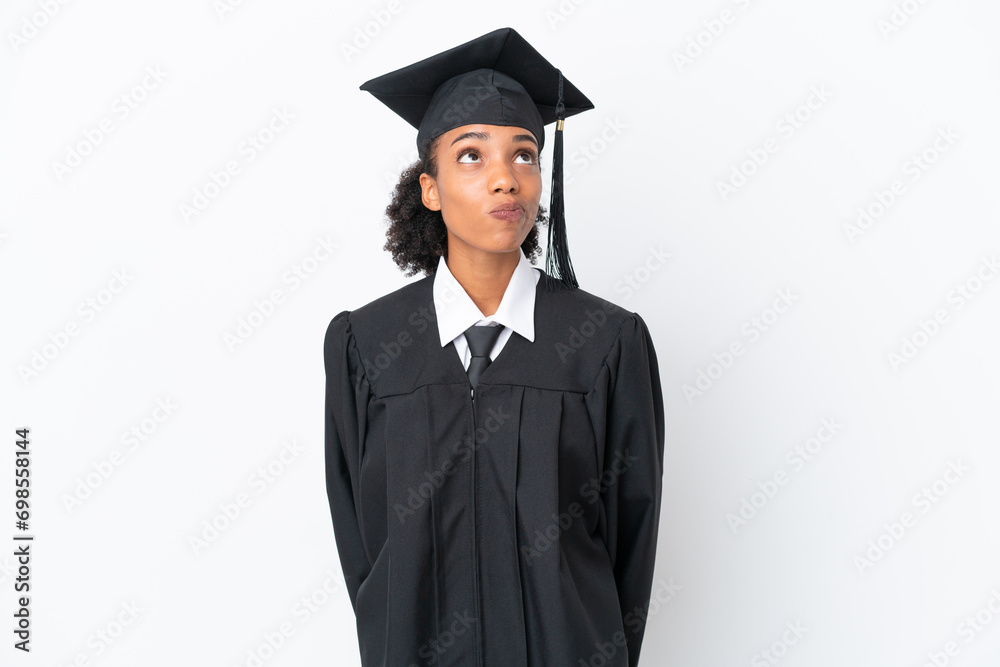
{"x":347,"y":395}
{"x":633,"y":453}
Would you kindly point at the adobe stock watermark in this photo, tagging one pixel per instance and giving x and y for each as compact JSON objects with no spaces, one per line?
{"x":580,"y":334}
{"x":635,"y":620}
{"x":259,"y":481}
{"x":223,"y":8}
{"x":591,"y":490}
{"x":33,"y":24}
{"x":712,"y":30}
{"x":561,"y":11}
{"x":302,"y":611}
{"x":248,"y":150}
{"x":968,"y":629}
{"x":433,"y":649}
{"x":42,"y":357}
{"x":899,"y":16}
{"x":294,"y":277}
{"x":786,"y":127}
{"x":664,"y":592}
{"x":796,"y":458}
{"x":422,"y":320}
{"x":462,"y":109}
{"x":107,"y":635}
{"x":416,"y":498}
{"x":122,"y":107}
{"x":779,"y":648}
{"x":927,"y":329}
{"x":366,"y":33}
{"x":403,"y":162}
{"x":586,"y":154}
{"x":883,"y":199}
{"x":705,"y":378}
{"x":923,"y":500}
{"x":131,"y":439}
{"x":635,"y":280}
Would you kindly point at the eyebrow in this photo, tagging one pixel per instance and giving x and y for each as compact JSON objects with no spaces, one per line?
{"x":485,"y":136}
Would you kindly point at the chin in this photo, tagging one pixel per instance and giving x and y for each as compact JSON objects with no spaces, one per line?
{"x":502,"y":246}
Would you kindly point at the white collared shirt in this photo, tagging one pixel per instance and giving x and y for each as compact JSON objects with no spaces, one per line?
{"x":456,"y":311}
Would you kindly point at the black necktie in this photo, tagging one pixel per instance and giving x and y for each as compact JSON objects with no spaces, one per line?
{"x":481,"y":340}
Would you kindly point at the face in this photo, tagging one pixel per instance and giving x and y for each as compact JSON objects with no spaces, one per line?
{"x":481,"y":168}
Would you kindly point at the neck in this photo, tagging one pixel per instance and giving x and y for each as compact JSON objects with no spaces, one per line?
{"x":483,"y":275}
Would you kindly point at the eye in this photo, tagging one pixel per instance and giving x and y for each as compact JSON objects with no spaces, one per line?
{"x":467,"y":152}
{"x":528,"y":154}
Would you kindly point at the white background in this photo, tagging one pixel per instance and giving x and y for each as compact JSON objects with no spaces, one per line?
{"x":665,"y":133}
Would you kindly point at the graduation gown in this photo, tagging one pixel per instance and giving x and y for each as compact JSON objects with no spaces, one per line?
{"x":516,"y":526}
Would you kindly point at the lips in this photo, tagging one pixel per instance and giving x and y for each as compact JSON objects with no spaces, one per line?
{"x":509,"y":206}
{"x":508,"y":211}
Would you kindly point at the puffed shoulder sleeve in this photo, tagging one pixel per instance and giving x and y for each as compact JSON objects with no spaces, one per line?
{"x":629,"y":388}
{"x":347,"y":395}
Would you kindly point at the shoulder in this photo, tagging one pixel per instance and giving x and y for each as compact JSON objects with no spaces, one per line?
{"x":578,"y":312}
{"x":390,"y":309}
{"x":408,"y":310}
{"x":585,"y":331}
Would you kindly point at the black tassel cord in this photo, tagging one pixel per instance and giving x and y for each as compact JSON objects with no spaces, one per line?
{"x":557,"y":262}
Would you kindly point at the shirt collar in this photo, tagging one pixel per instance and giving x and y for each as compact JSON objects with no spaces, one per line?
{"x":456,"y":311}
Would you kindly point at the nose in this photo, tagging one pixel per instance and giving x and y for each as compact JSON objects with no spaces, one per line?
{"x":502,"y":177}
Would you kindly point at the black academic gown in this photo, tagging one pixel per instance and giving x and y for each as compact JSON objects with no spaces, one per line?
{"x":530,"y":543}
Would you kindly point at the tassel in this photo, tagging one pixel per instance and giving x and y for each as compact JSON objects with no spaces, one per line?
{"x":557,"y":262}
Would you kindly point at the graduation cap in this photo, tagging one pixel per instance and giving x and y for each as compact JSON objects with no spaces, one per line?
{"x":495,"y":79}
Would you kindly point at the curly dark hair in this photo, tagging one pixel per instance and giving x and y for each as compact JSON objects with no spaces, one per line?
{"x":417,"y":236}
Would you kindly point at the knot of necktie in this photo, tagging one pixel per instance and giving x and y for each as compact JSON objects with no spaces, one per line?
{"x":481,"y":339}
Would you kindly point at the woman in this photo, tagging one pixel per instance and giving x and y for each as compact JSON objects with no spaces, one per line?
{"x":494,"y":435}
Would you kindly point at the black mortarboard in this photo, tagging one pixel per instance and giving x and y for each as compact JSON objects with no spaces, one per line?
{"x":496,"y":79}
